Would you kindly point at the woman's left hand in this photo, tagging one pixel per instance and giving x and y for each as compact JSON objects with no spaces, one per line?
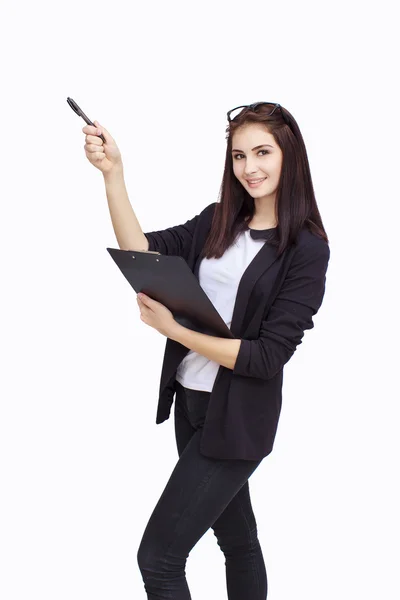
{"x":156,"y":315}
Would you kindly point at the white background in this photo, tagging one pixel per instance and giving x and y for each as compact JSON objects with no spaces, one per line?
{"x":82,"y":461}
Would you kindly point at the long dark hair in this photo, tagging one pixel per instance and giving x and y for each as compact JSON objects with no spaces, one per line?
{"x":296,"y":205}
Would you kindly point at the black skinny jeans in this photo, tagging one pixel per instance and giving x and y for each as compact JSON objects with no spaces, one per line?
{"x":202,"y":492}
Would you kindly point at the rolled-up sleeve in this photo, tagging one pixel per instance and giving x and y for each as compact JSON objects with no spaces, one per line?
{"x":175,"y":240}
{"x":291,"y":313}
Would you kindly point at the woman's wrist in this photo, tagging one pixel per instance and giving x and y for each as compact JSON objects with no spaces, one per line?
{"x":114,"y":174}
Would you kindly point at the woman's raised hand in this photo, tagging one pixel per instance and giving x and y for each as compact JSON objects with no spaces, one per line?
{"x":105,"y":156}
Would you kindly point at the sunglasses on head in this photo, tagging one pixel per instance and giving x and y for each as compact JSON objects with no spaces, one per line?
{"x":234,"y":112}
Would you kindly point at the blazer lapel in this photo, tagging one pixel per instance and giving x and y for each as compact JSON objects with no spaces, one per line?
{"x":262,"y":261}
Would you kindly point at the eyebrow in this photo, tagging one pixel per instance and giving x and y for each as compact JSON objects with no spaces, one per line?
{"x":256,"y":148}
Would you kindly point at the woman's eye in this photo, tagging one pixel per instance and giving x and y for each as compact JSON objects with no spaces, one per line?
{"x":266,"y":152}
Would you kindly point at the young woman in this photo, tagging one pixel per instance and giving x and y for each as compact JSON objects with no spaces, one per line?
{"x":261,"y":255}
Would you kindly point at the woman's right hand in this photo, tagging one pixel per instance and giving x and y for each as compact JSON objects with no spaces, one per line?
{"x":105,"y":156}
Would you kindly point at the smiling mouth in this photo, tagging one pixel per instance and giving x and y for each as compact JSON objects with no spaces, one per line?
{"x":256,"y":182}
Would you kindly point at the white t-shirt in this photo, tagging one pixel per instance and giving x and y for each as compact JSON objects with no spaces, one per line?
{"x":219,"y":278}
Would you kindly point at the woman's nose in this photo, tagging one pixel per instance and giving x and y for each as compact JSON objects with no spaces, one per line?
{"x":250,"y":170}
{"x":250,"y":167}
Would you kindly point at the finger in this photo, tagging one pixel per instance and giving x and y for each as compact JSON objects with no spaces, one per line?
{"x":93,"y":147}
{"x":89,"y":129}
{"x":93,"y":139}
{"x":102,"y":130}
{"x":96,"y":155}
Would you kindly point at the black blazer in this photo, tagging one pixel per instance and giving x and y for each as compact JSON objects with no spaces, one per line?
{"x":275,"y":303}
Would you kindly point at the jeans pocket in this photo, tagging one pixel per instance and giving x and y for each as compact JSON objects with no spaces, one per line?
{"x":196,"y":406}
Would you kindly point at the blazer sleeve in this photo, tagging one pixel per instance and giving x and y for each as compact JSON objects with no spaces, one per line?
{"x":175,"y":240}
{"x":290,"y":314}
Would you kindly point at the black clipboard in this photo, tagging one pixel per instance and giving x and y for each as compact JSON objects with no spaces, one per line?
{"x":169,"y":280}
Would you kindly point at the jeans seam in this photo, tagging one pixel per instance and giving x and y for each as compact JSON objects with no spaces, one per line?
{"x":253,"y":561}
{"x":201,"y":484}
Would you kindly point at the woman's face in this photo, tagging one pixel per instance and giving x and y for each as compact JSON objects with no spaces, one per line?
{"x":250,"y":162}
